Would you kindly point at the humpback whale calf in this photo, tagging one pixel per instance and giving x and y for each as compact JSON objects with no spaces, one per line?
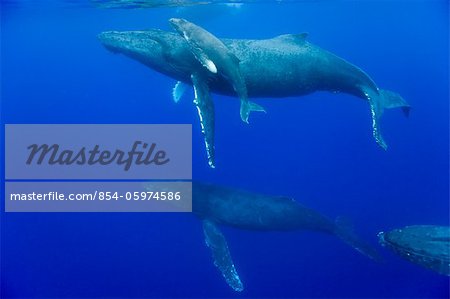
{"x":284,"y":66}
{"x":217,"y":205}
{"x":213,"y":54}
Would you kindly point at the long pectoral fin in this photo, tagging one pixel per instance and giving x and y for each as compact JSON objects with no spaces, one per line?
{"x":221,"y":255}
{"x":376,"y":112}
{"x":205,"y":109}
{"x":204,"y":59}
{"x":197,"y":50}
{"x":178,"y":91}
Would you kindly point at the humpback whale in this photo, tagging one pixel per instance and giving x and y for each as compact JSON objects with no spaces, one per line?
{"x":217,"y":205}
{"x":424,"y":245}
{"x":284,"y":66}
{"x":210,"y":51}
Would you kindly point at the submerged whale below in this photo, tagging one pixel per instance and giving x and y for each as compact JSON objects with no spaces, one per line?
{"x":217,"y":205}
{"x":424,"y":245}
{"x":284,"y":66}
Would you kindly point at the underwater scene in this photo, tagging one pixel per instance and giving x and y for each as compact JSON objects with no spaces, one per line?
{"x":317,"y":140}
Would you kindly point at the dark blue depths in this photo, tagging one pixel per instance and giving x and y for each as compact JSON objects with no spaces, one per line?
{"x":317,"y":148}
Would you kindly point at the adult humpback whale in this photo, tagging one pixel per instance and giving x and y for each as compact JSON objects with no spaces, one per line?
{"x":217,"y":205}
{"x":284,"y":66}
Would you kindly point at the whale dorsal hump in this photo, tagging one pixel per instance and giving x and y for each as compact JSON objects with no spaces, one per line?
{"x":294,"y":38}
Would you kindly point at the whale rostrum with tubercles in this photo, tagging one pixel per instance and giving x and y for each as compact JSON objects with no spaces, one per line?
{"x":284,"y":66}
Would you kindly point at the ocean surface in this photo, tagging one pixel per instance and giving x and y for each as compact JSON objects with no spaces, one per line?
{"x":316,"y":148}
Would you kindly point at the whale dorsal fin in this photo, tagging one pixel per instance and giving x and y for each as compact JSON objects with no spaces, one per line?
{"x":295,"y":38}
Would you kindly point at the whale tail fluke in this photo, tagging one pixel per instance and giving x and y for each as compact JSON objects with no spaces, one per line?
{"x":247,"y":107}
{"x":344,"y":230}
{"x":392,"y":99}
{"x":379,"y":100}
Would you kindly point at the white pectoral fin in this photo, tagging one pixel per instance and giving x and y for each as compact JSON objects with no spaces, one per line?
{"x":178,"y":91}
{"x":376,"y":110}
{"x":200,"y":54}
{"x":205,"y":60}
{"x":221,"y":255}
{"x":210,"y":66}
{"x":205,"y":109}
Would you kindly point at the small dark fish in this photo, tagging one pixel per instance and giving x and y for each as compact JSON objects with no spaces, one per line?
{"x":425,"y":245}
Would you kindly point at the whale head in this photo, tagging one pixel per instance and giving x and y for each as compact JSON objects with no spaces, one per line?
{"x":163,"y":51}
{"x":183,"y":27}
{"x":140,"y":45}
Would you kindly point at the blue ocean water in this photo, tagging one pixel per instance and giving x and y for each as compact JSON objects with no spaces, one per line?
{"x":316,"y":148}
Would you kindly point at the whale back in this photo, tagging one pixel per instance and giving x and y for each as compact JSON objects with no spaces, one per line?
{"x":247,"y":210}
